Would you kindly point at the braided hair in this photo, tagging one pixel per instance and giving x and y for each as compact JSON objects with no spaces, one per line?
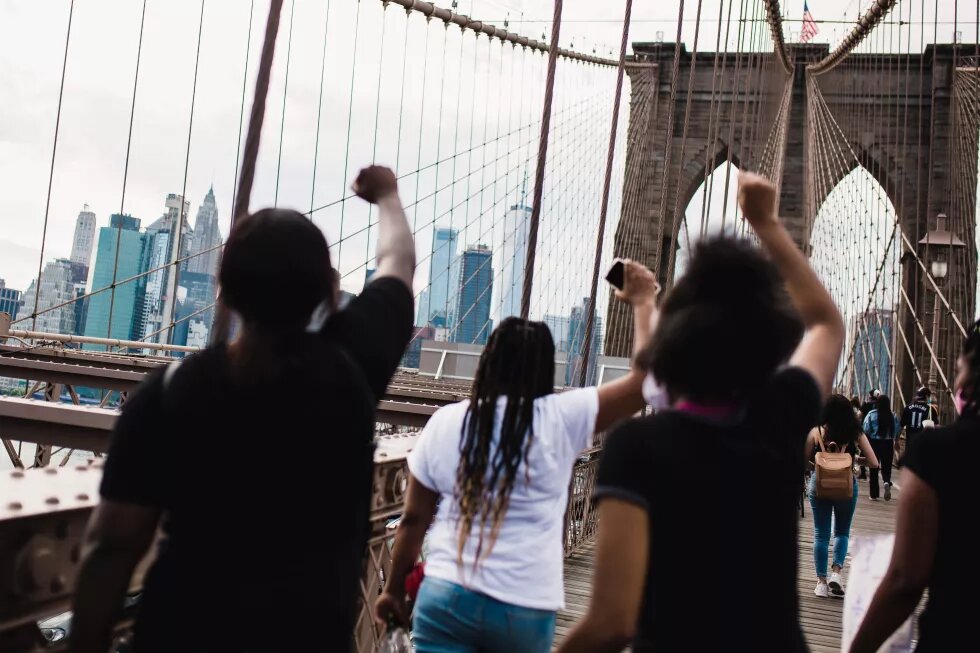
{"x":518,"y":363}
{"x":970,"y":359}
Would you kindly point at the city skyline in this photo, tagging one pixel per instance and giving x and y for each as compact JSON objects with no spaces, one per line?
{"x":141,"y":308}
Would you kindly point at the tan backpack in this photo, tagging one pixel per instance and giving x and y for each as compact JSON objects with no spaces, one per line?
{"x":834,"y":473}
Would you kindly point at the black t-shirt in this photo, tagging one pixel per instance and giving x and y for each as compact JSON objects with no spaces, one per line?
{"x":945,"y":458}
{"x":265,"y":485}
{"x":916,"y":413}
{"x":722,"y":500}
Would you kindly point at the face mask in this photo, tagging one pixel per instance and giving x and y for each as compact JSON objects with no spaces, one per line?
{"x":959,"y":401}
{"x":654,"y":394}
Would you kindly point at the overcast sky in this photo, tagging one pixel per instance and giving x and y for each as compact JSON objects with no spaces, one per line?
{"x":495,"y":89}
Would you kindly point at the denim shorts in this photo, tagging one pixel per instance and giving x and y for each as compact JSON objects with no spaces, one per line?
{"x":452,"y":619}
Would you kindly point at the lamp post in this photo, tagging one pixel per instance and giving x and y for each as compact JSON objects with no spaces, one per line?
{"x":939,"y":245}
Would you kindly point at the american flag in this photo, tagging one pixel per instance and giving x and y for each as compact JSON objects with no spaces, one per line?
{"x":810,"y":28}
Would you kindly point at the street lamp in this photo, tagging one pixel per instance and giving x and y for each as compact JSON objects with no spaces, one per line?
{"x":939,"y":245}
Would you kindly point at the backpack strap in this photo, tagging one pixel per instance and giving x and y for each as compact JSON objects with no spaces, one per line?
{"x":819,"y":439}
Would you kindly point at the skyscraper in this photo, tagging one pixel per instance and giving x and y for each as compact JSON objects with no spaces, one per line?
{"x":471,"y":324}
{"x":57,"y":286}
{"x":127,"y":304}
{"x":559,"y":326}
{"x":158,"y":304}
{"x":84,"y":240}
{"x":10,"y":300}
{"x":872,"y":342}
{"x":576,"y":340}
{"x":206,"y":238}
{"x":443,"y":279}
{"x":511,"y":255}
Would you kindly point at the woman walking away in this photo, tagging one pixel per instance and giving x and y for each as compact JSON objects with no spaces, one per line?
{"x":239,"y":567}
{"x":882,"y":426}
{"x":840,"y":432}
{"x":501,"y":464}
{"x":935,"y":545}
{"x":698,"y":504}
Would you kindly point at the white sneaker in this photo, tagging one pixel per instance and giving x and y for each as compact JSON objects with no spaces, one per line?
{"x":836,"y":584}
{"x":821,"y":590}
{"x":888,"y":491}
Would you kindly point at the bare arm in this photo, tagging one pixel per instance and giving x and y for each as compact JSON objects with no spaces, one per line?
{"x":420,"y":508}
{"x":910,"y":567}
{"x":819,"y":352}
{"x":624,"y":396}
{"x":868,"y":453}
{"x":395,"y":252}
{"x":808,"y":448}
{"x":118,"y":536}
{"x":618,"y":582}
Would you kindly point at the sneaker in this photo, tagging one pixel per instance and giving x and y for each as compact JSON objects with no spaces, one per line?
{"x":888,"y":491}
{"x":821,"y":590}
{"x":836,"y":584}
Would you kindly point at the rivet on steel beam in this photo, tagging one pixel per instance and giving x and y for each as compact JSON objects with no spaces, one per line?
{"x":15,"y":505}
{"x":17,"y":474}
{"x":82,"y":497}
{"x":52,"y":501}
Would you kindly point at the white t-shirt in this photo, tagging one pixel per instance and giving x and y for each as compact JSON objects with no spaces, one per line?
{"x":525,"y":565}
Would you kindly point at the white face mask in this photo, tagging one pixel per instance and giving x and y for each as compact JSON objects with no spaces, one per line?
{"x":654,"y":394}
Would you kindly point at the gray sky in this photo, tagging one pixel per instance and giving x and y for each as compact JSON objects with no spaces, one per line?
{"x":99,"y":85}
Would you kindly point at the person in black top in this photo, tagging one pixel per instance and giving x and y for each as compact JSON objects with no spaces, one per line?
{"x":935,"y":546}
{"x":916,"y":413}
{"x":262,"y":546}
{"x":670,"y":566}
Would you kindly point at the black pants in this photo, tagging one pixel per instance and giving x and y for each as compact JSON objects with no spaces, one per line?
{"x":885,"y":451}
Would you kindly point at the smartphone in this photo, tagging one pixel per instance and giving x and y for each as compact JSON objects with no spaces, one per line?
{"x":617,"y":273}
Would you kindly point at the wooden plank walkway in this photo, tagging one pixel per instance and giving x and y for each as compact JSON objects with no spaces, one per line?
{"x":821,"y":618}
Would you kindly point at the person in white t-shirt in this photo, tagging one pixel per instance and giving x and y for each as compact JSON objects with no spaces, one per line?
{"x":501,"y":463}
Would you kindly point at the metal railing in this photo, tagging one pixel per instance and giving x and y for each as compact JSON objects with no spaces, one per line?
{"x":44,"y":511}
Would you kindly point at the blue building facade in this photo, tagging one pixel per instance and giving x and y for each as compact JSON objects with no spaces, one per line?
{"x":127,"y":304}
{"x":872,"y":361}
{"x":440,"y":301}
{"x":10,"y":300}
{"x":472,"y":319}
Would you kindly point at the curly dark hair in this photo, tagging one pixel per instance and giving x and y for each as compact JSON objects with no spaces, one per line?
{"x":725,"y":326}
{"x":276,"y":253}
{"x":518,"y":363}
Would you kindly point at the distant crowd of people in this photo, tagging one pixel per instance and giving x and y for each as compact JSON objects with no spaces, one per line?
{"x":697,"y":502}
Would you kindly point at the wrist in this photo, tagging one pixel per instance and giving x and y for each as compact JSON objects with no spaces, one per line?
{"x":390,"y":197}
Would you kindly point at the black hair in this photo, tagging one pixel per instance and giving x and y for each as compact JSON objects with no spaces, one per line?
{"x":518,"y":362}
{"x":725,"y":326}
{"x":886,"y":420}
{"x":841,"y":424}
{"x":971,"y":357}
{"x":276,"y":269}
{"x":856,"y":402}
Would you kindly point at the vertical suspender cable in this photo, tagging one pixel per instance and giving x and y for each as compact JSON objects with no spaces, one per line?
{"x":604,"y":206}
{"x":122,"y":201}
{"x":549,"y":89}
{"x":54,"y":151}
{"x":177,"y":231}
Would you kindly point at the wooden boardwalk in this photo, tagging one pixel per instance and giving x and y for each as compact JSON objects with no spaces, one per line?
{"x":821,"y":618}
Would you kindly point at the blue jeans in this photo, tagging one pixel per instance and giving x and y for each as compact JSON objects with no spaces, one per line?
{"x":842,"y":512}
{"x":452,"y":619}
